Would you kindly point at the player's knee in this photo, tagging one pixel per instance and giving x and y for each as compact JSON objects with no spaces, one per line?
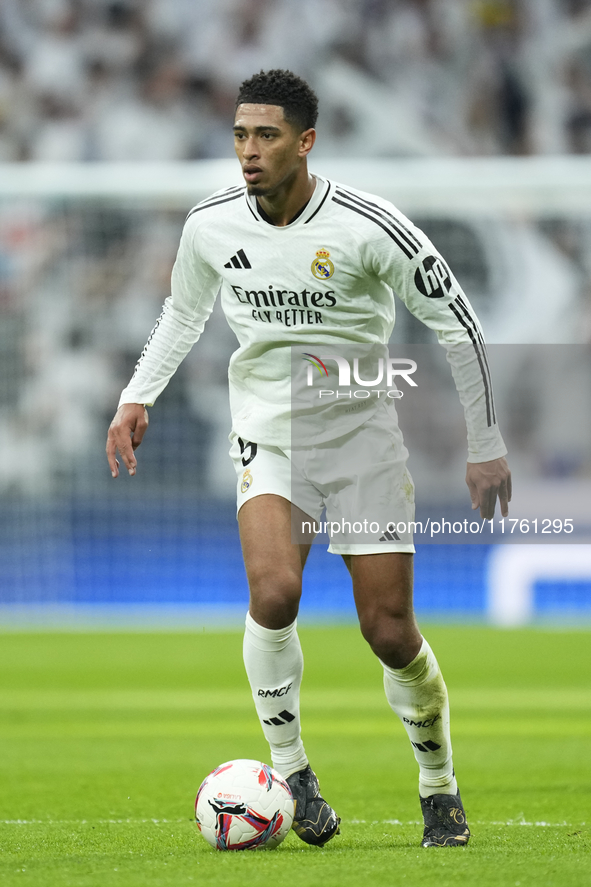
{"x":387,"y":632}
{"x":275,"y":594}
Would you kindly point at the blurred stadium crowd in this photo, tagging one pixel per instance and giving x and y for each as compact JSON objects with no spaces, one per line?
{"x":155,"y":79}
{"x":82,"y":281}
{"x":82,"y":278}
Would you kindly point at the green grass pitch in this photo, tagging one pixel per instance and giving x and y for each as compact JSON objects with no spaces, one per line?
{"x":105,"y":738}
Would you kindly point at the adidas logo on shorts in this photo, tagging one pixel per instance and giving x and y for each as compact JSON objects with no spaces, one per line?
{"x":390,"y":536}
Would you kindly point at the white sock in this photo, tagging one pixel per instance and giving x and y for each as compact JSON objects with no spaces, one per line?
{"x":418,"y":695}
{"x":274,"y":665}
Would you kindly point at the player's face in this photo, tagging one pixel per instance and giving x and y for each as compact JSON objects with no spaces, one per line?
{"x":270,"y":149}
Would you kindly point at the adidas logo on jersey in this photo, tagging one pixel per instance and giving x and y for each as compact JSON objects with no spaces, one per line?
{"x":238,"y":261}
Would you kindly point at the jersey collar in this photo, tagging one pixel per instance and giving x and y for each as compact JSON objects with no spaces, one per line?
{"x":305,"y":215}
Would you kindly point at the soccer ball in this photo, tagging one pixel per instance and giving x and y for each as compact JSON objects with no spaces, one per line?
{"x":244,"y":805}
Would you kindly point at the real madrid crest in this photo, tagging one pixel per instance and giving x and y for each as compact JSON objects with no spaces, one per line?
{"x":322,"y":267}
{"x":246,"y":481}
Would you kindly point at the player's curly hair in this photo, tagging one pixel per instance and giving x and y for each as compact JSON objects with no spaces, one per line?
{"x":279,"y":87}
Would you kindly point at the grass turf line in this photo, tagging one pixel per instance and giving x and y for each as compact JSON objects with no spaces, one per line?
{"x":105,"y":739}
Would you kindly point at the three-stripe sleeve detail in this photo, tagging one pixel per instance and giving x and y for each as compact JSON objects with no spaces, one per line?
{"x":467,"y":313}
{"x":391,"y":231}
{"x":235,"y":189}
{"x":462,"y":313}
{"x":396,"y":224}
{"x":145,"y":348}
{"x":217,"y":202}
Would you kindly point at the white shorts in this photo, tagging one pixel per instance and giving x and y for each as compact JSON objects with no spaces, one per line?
{"x":360,"y":478}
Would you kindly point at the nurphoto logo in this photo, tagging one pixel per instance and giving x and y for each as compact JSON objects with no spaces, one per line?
{"x":387,"y":370}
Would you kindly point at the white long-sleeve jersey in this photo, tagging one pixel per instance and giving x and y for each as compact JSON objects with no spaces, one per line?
{"x":326,"y":278}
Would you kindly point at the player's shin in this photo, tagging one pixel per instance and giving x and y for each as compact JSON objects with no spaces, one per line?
{"x":274,"y":665}
{"x":418,"y":695}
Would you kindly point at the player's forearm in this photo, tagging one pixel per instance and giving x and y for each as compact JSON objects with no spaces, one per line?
{"x":169,"y":342}
{"x":471,"y":372}
{"x":194,"y":286}
{"x":459,"y":332}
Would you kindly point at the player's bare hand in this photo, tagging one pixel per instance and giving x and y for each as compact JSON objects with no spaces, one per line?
{"x":125,"y":434}
{"x":486,"y":481}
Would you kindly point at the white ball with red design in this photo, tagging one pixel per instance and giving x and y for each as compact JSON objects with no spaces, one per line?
{"x":244,"y":805}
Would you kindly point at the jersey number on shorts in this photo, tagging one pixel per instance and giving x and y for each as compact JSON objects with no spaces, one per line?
{"x":244,"y":445}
